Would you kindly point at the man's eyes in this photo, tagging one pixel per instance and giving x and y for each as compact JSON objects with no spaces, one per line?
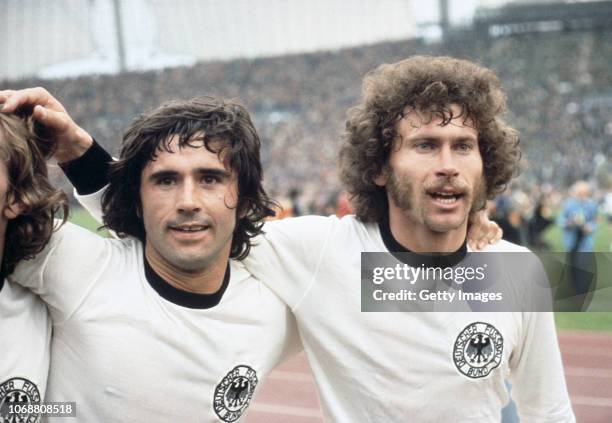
{"x":205,"y":180}
{"x":464,"y":146}
{"x":166,"y":181}
{"x":429,"y":146}
{"x":424,"y":146}
{"x":209,"y":179}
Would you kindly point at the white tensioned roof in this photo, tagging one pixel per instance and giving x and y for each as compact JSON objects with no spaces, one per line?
{"x":72,"y":37}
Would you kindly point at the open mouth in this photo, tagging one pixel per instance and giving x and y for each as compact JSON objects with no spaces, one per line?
{"x":446,"y":197}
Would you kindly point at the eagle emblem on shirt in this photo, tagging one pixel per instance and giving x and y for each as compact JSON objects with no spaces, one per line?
{"x":233,"y":394}
{"x":478,"y":350}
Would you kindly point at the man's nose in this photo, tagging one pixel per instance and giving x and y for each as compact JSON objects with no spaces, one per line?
{"x":447,"y":166}
{"x":187,"y":199}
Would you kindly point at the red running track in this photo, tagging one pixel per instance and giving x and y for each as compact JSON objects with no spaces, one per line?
{"x":289,"y":396}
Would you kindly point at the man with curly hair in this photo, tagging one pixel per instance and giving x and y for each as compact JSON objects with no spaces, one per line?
{"x":28,"y":204}
{"x":423,"y":150}
{"x":164,"y":323}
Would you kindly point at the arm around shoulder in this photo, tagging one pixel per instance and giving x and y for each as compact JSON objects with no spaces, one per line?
{"x":64,"y":270}
{"x":286,"y":257}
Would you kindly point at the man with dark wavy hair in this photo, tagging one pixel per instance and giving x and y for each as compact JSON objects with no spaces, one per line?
{"x":28,"y":204}
{"x":163,"y":324}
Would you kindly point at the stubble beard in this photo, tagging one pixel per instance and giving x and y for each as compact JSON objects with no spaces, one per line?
{"x":401,"y":191}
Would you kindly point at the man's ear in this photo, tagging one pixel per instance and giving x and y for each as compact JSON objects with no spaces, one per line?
{"x":382,"y":177}
{"x":12,"y":209}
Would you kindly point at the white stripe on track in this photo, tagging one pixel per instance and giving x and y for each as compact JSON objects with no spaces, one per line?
{"x":605,"y":352}
{"x":588,"y":372}
{"x":592,"y":401}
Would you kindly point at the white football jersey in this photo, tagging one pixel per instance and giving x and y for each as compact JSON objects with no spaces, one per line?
{"x":25,"y":338}
{"x":403,"y":366}
{"x":128,"y":346}
{"x":399,"y":367}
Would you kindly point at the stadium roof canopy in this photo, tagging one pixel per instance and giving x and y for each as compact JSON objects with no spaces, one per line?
{"x":542,"y":16}
{"x":74,"y":37}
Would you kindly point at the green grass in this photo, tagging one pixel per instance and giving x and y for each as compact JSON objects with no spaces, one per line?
{"x":81,"y":217}
{"x":584,"y":321}
{"x":602,"y":300}
{"x":602,"y":237}
{"x":594,"y":321}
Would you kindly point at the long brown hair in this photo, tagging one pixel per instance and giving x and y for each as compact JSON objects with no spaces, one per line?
{"x":24,"y":149}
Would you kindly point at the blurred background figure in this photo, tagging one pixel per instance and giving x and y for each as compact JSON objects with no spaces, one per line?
{"x":294,"y":198}
{"x":343,"y":204}
{"x":607,"y":211}
{"x":578,"y":219}
{"x":541,"y":218}
{"x":511,"y":212}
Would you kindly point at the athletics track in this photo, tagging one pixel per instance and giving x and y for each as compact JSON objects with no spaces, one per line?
{"x":289,"y":396}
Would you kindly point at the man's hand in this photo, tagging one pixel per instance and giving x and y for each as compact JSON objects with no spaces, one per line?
{"x":72,"y":140}
{"x":482,"y":231}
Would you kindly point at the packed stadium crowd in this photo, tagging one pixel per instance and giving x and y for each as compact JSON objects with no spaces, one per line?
{"x":558,"y":85}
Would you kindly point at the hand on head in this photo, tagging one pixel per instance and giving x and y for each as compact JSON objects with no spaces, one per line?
{"x":72,"y":141}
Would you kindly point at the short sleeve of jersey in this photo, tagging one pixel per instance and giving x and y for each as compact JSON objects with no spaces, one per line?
{"x":288,"y":255}
{"x":25,"y":337}
{"x":65,"y":270}
{"x":543,"y":398}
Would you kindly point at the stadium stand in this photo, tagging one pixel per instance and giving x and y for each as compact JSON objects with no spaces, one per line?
{"x":559,"y":88}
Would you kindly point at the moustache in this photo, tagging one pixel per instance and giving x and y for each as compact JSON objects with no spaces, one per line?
{"x":189,"y":221}
{"x":448,"y":184}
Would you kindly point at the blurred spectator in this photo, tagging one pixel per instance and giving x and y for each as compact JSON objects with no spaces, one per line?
{"x":578,"y":219}
{"x":282,"y":209}
{"x":294,"y":197}
{"x":607,"y":210}
{"x":343,"y":204}
{"x":541,"y":219}
{"x":607,"y":205}
{"x":507,"y":214}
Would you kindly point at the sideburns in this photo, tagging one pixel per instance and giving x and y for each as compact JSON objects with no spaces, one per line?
{"x":400,"y":192}
{"x":480,"y":198}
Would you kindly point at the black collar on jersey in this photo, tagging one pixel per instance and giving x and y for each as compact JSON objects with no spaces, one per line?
{"x":414,"y":259}
{"x":185,"y":298}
